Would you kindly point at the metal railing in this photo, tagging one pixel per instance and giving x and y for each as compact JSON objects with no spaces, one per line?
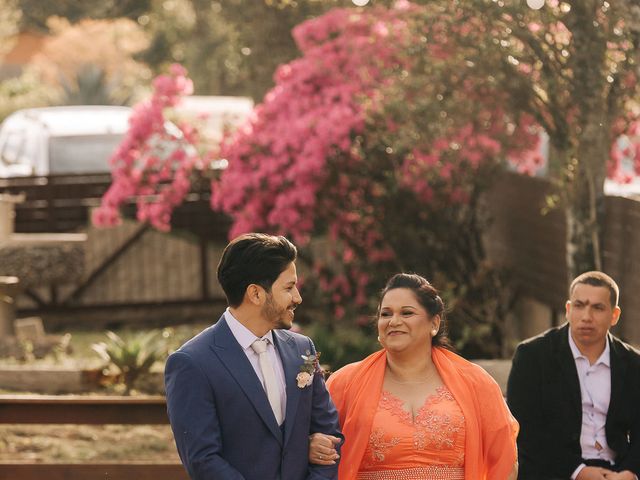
{"x":62,"y":203}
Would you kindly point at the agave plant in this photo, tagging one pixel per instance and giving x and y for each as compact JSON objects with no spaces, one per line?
{"x":133,"y":355}
{"x":91,"y":86}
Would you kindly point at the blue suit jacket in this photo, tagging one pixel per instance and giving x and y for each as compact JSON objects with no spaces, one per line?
{"x":220,"y":415}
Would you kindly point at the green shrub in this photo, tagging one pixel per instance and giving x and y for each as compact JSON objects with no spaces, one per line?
{"x":25,"y":91}
{"x":133,"y":355}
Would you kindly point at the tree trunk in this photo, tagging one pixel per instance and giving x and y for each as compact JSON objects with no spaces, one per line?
{"x":587,"y":162}
{"x":583,"y":236}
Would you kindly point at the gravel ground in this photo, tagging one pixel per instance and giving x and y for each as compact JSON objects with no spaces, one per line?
{"x":86,"y":443}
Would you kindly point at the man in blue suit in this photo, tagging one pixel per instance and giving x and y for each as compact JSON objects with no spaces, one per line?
{"x":244,"y":395}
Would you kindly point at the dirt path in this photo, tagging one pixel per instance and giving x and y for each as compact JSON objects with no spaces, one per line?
{"x":85,"y":443}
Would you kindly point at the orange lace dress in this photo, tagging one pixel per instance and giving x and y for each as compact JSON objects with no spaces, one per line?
{"x":429,"y":446}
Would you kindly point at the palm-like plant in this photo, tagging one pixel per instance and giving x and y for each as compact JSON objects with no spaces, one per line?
{"x":91,"y":87}
{"x":133,"y":355}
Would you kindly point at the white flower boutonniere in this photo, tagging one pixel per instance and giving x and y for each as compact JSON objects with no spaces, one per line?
{"x":308,"y":368}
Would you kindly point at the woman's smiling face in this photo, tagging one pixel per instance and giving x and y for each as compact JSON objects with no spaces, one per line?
{"x":403,"y":323}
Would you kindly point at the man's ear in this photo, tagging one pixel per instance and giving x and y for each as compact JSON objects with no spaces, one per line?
{"x":567,"y":309}
{"x":616,"y":315}
{"x":254,"y":294}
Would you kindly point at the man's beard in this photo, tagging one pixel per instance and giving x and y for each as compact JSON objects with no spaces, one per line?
{"x":276,"y":315}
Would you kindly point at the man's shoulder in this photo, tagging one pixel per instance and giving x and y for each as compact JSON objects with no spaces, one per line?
{"x":292,"y":334}
{"x":289,"y":335}
{"x":547,"y":337}
{"x":623,"y":348}
{"x":201,"y":339}
{"x":544,"y":346}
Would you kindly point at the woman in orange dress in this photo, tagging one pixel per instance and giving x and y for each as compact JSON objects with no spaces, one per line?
{"x":415,"y":410}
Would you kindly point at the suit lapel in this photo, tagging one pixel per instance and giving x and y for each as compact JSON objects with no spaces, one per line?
{"x":618,"y":375}
{"x":228,"y":350}
{"x":567,"y":365}
{"x":291,"y":361}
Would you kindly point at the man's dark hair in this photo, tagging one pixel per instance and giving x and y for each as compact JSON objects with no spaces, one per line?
{"x":598,"y":279}
{"x":253,"y":258}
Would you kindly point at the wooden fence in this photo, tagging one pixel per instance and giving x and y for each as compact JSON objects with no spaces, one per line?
{"x":24,"y":409}
{"x":532,"y":245}
{"x":521,"y":238}
{"x":131,"y":271}
{"x":621,"y":260}
{"x":136,"y":269}
{"x":56,"y":203}
{"x":62,"y":203}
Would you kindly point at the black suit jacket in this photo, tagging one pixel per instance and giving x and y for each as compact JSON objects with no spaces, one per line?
{"x":543,"y":393}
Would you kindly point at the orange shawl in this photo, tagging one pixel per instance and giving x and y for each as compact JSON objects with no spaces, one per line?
{"x":491,"y":430}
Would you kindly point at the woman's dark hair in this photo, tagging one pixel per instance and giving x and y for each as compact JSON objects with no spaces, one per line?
{"x":427,"y":296}
{"x":253,"y":258}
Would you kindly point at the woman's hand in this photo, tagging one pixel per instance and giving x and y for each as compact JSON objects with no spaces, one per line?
{"x":322,"y":449}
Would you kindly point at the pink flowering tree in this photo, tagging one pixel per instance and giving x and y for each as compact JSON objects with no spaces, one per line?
{"x":372,"y":151}
{"x":156,"y":162}
{"x":374,"y":147}
{"x":573,"y":67}
{"x":381,"y":138}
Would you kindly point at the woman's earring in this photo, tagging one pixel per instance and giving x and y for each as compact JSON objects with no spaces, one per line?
{"x":378,"y":338}
{"x":434,"y":332}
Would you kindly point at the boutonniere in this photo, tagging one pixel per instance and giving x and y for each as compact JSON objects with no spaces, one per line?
{"x":308,"y":368}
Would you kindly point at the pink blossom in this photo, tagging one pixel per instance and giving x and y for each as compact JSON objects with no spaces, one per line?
{"x":534,"y":27}
{"x":139,"y":169}
{"x":333,"y":143}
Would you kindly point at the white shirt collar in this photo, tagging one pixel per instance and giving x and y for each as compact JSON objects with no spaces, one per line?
{"x":604,"y":358}
{"x":243,"y":335}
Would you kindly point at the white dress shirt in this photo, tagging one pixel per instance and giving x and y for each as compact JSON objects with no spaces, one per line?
{"x":595,"y":392}
{"x":245,"y":338}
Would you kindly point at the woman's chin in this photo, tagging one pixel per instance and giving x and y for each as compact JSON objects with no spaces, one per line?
{"x":395,"y":346}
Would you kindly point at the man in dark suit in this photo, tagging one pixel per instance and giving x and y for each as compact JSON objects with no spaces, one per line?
{"x":575,"y":390}
{"x":244,"y":395}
